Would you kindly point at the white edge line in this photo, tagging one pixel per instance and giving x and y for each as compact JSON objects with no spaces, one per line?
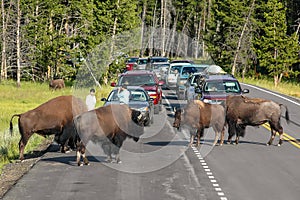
{"x":266,"y":91}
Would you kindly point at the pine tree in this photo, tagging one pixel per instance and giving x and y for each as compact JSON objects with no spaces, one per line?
{"x":276,"y":51}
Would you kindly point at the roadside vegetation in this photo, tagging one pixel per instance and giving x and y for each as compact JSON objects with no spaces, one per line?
{"x":19,"y":100}
{"x":285,"y":87}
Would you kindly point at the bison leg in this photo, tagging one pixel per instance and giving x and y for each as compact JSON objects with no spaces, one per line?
{"x":191,"y":140}
{"x":222,"y":137}
{"x":22,"y":145}
{"x":81,"y":152}
{"x":273,"y":133}
{"x":200,"y":133}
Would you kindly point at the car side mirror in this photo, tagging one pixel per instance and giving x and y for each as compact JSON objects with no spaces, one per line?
{"x":245,"y":91}
{"x":113,"y":84}
{"x":103,"y":99}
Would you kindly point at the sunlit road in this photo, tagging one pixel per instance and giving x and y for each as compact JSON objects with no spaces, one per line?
{"x":160,"y":166}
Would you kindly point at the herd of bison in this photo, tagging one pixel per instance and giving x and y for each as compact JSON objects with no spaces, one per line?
{"x":67,"y":118}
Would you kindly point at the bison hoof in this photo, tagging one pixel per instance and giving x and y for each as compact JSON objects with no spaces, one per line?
{"x":278,"y":145}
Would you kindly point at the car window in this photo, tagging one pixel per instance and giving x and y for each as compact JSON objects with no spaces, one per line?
{"x":137,"y":80}
{"x":142,"y":61}
{"x":137,"y":95}
{"x":224,"y":86}
{"x":188,"y":70}
{"x":174,"y":68}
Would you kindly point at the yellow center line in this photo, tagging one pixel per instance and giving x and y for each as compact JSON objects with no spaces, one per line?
{"x":286,"y":137}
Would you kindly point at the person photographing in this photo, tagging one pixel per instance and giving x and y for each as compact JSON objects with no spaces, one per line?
{"x":123,"y":94}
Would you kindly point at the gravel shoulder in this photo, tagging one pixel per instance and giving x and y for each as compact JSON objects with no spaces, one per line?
{"x":12,"y":172}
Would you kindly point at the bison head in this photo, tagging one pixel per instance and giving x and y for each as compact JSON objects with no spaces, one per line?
{"x":137,"y":128}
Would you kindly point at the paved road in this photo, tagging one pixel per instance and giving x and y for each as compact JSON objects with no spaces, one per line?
{"x":160,"y":166}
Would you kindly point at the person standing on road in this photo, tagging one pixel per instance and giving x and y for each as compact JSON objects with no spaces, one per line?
{"x":123,"y":94}
{"x":90,"y":100}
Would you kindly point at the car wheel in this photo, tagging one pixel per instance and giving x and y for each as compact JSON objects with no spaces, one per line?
{"x":156,"y":109}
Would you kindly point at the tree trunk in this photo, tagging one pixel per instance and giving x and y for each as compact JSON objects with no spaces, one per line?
{"x":142,"y":50}
{"x":18,"y":45}
{"x":240,"y":40}
{"x":3,"y":56}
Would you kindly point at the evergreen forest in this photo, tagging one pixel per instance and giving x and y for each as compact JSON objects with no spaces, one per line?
{"x":89,"y":40}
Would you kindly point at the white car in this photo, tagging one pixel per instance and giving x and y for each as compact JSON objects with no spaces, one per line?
{"x":174,"y":69}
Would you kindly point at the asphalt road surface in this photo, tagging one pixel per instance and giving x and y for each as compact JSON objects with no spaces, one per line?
{"x":160,"y":166}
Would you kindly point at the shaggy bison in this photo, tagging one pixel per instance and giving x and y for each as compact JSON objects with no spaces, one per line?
{"x":200,"y":115}
{"x":57,"y":84}
{"x":242,"y":111}
{"x":110,"y":126}
{"x":53,"y":117}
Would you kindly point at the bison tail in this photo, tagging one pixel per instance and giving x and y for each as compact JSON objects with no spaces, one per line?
{"x":11,"y":124}
{"x":287,"y":117}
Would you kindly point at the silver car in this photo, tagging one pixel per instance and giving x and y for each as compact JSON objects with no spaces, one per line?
{"x":138,"y":100}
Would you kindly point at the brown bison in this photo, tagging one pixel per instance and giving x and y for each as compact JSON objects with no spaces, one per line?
{"x":57,"y":84}
{"x":242,"y":111}
{"x":53,"y":117}
{"x":199,"y":115}
{"x":109,"y":126}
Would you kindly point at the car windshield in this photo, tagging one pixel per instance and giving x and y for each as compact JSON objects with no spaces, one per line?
{"x":188,"y":70}
{"x":139,"y":80}
{"x":159,"y":66}
{"x":175,"y":69}
{"x":132,"y":60}
{"x":142,"y":61}
{"x":222,"y":86}
{"x":135,"y":95}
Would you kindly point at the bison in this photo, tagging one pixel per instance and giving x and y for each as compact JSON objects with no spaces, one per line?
{"x":242,"y":111}
{"x":108,"y":125}
{"x":57,"y":84}
{"x":52,"y":117}
{"x":200,"y":115}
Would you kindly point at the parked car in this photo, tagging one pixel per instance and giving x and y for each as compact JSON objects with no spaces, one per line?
{"x":182,"y":77}
{"x":171,"y":77}
{"x":216,"y":87}
{"x":146,"y":79}
{"x":182,"y":61}
{"x":130,"y":62}
{"x":141,"y":64}
{"x":159,"y":68}
{"x":188,"y":89}
{"x":191,"y":84}
{"x":156,"y":59}
{"x":139,"y":99}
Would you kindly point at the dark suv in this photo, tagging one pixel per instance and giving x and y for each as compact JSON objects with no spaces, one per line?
{"x":146,"y":79}
{"x":215,"y":88}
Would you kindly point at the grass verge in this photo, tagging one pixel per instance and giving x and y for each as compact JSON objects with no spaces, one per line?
{"x":15,"y":100}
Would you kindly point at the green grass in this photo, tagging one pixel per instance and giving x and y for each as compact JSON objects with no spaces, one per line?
{"x":15,"y":100}
{"x":291,"y":89}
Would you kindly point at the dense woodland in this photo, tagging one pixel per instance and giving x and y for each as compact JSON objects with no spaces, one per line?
{"x":42,"y":40}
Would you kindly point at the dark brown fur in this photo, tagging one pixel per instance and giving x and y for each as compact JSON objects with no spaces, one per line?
{"x":243,"y":111}
{"x":53,"y":117}
{"x":57,"y":84}
{"x":200,"y":115}
{"x":109,"y":125}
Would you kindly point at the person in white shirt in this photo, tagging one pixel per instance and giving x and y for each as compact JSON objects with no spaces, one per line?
{"x":90,"y":100}
{"x":123,"y":94}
